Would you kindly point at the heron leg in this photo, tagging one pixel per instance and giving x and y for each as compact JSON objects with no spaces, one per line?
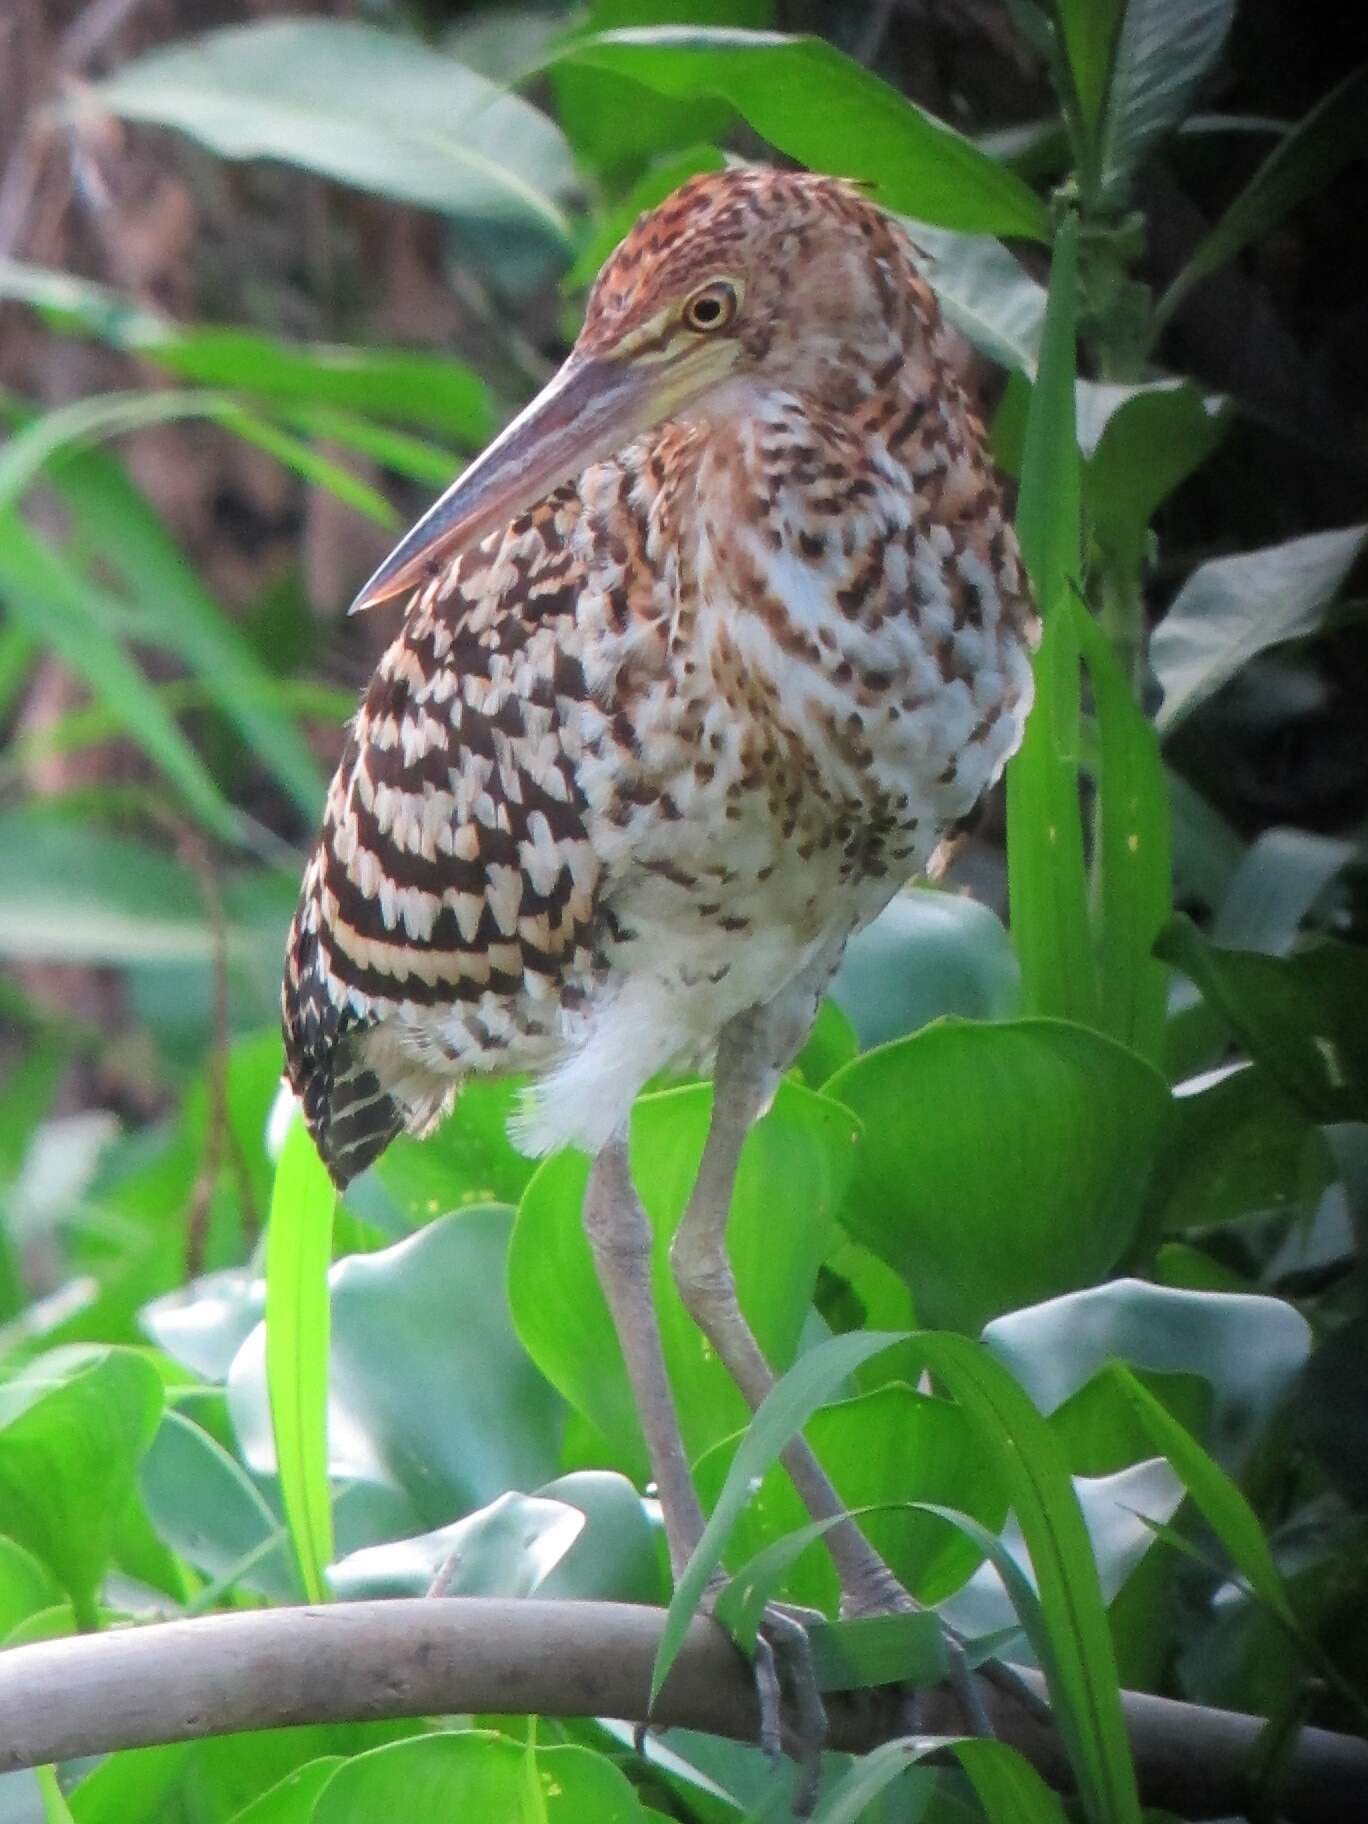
{"x":752,"y":1054}
{"x":754,"y":1051}
{"x":620,"y":1239}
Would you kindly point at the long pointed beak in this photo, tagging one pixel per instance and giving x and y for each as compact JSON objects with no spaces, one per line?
{"x":590,"y":408}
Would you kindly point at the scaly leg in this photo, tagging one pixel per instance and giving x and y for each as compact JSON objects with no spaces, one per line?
{"x":620,"y":1238}
{"x":753,"y":1052}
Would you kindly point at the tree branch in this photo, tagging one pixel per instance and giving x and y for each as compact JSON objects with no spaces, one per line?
{"x":271,"y":1668}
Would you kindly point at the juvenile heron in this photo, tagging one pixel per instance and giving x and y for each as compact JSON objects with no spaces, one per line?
{"x":705,"y":656}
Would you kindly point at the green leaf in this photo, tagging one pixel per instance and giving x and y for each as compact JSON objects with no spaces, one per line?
{"x":434,"y":1409}
{"x":925,"y":955}
{"x":1301,"y":165}
{"x":1081,"y":1669}
{"x":985,"y":292}
{"x":27,"y":1586}
{"x":74,"y":1424}
{"x":207,"y":1509}
{"x":798,"y":1159}
{"x":46,"y":594}
{"x":505,"y":1549}
{"x":298,"y":1244}
{"x":882,"y":1450}
{"x":1088,"y":29}
{"x":403,"y":385}
{"x":1221,"y":1503}
{"x":1163,"y":51}
{"x":610,"y":130}
{"x":1052,"y":1203}
{"x":1248,"y":1348}
{"x":614,"y":1559}
{"x":1279,"y":879}
{"x":786,"y":1408}
{"x":1133,"y":864}
{"x":292,"y":1800}
{"x":114,"y":517}
{"x":372,"y":108}
{"x":1299,"y":1016}
{"x":820,"y":108}
{"x":473,"y":1774}
{"x":889,"y":1764}
{"x":1046,"y":880}
{"x":1150,"y":439}
{"x":1240,"y":1146}
{"x":1233,"y":608}
{"x":55,"y":1808}
{"x":470,"y":1159}
{"x":831,"y":1043}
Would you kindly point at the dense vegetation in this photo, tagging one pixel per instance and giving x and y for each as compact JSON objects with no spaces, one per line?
{"x":1125,"y":1143}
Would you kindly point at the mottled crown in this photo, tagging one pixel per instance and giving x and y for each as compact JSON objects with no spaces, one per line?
{"x":823,"y":269}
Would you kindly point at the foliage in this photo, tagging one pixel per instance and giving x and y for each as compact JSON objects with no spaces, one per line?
{"x":1053,"y":1230}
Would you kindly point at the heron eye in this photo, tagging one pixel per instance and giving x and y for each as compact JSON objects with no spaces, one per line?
{"x":711,"y":309}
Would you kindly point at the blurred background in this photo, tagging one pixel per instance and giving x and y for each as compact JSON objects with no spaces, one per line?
{"x":227,"y":381}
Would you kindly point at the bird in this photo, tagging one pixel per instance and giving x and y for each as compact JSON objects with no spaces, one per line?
{"x":712,"y":649}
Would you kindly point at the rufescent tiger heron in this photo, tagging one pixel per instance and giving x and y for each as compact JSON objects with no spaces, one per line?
{"x":704,"y":657}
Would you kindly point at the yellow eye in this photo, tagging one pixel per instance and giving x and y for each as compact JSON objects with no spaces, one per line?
{"x":712,"y":308}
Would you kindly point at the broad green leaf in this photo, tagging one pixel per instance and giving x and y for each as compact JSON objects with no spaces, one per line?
{"x":614,"y":1559}
{"x":74,"y":1425}
{"x":985,"y":292}
{"x":832,"y":1042}
{"x":602,"y":113}
{"x":208,"y":1510}
{"x":1053,"y":1202}
{"x":1233,"y":608}
{"x":298,"y":1243}
{"x":797,"y":1160}
{"x":1046,"y":880}
{"x":876,"y":1650}
{"x":203,"y":1325}
{"x":292,"y":1800}
{"x":1299,"y":1016}
{"x":1081,"y":1669}
{"x":821,"y":108}
{"x":27,"y":1586}
{"x":45,"y":593}
{"x":790,"y":1403}
{"x":925,"y":955}
{"x":506,"y":1549}
{"x":373,"y":108}
{"x":433,"y":1407}
{"x":1248,"y":1348}
{"x":1150,"y":438}
{"x":1164,"y":48}
{"x":882,"y":1451}
{"x":400,"y":385}
{"x":1279,"y":879}
{"x":135,"y":1784}
{"x":1133,"y":870}
{"x":473,"y":1774}
{"x":1239,"y":1146}
{"x":1300,"y":165}
{"x":1222,"y":1505}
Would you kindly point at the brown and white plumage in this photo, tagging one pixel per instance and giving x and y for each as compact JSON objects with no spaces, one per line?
{"x":642,"y":754}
